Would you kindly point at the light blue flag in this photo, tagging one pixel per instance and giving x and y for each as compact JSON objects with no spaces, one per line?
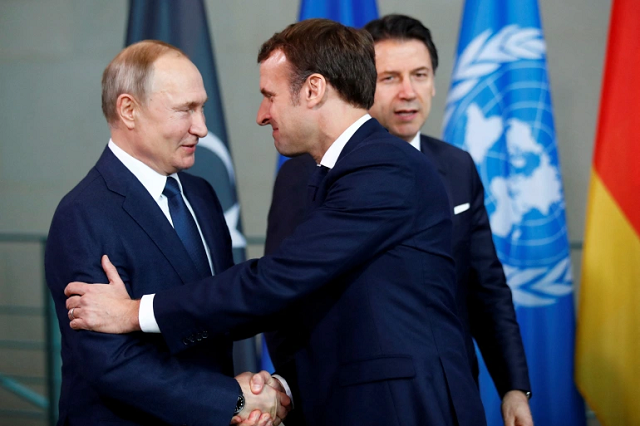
{"x":499,"y":110}
{"x":353,"y":13}
{"x":184,"y":25}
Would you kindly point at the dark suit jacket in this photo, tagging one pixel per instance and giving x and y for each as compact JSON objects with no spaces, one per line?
{"x":370,"y":269}
{"x":483,"y":296}
{"x":133,"y":379}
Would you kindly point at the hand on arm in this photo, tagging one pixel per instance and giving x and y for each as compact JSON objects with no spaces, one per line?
{"x":515,"y":409}
{"x":106,"y":308}
{"x":265,"y":400}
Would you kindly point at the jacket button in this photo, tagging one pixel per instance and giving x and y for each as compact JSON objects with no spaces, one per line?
{"x":205,"y":334}
{"x":185,"y":341}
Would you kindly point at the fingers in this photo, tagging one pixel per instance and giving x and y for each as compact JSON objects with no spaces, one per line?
{"x":281,"y":408}
{"x":73,"y":302}
{"x":255,"y":418}
{"x":75,"y":288}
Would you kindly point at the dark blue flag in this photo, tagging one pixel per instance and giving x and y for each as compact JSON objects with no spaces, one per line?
{"x":499,"y":109}
{"x":353,"y":13}
{"x":184,"y":24}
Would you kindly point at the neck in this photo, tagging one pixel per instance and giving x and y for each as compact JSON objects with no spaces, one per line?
{"x":333,"y":124}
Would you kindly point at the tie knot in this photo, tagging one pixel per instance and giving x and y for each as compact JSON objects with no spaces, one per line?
{"x":171,"y":188}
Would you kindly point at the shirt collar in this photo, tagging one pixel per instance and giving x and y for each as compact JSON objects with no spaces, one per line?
{"x":415,"y":142}
{"x":331,"y":156}
{"x":153,"y":181}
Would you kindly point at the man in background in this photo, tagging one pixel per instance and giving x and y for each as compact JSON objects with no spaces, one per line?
{"x":163,"y":228}
{"x":406,"y":61}
{"x":367,"y":277}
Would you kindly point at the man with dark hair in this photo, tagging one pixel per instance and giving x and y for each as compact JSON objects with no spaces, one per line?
{"x":367,"y":278}
{"x":406,"y":61}
{"x":163,"y":228}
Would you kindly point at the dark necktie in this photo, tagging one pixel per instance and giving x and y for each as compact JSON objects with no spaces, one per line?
{"x":186,"y":227}
{"x":315,"y":182}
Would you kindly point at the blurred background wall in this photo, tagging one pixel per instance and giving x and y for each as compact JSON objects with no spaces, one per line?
{"x":53,"y":52}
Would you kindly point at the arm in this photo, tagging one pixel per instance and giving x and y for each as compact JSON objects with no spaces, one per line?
{"x":132,"y":368}
{"x":365,"y":212}
{"x":492,"y":316}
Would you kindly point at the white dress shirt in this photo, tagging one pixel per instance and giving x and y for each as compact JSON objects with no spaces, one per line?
{"x":154,"y":183}
{"x":415,"y":142}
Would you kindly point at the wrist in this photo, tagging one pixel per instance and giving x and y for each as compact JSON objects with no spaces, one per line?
{"x":134,"y":316}
{"x":517,"y":394}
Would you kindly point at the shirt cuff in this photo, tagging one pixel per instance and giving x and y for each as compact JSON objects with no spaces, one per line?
{"x":146,"y":317}
{"x":286,"y":387}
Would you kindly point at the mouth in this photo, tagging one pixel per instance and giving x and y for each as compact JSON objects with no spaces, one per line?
{"x":406,"y":114}
{"x":189,"y":147}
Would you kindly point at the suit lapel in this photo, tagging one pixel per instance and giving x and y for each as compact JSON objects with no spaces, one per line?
{"x":427,"y":149}
{"x":144,"y":210}
{"x":318,"y":182}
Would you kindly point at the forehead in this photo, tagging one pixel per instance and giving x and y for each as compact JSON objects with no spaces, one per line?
{"x":396,"y":55}
{"x":274,"y":70}
{"x":172,"y":72}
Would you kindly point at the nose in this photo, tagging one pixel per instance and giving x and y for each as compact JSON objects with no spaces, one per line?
{"x":263,"y":117}
{"x":407,"y":91}
{"x":198,"y":124}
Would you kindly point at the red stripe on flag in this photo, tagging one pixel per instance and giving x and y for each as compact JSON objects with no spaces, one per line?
{"x":617,"y":152}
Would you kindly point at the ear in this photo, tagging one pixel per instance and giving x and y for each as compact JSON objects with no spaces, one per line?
{"x":127,"y":109}
{"x":315,"y":89}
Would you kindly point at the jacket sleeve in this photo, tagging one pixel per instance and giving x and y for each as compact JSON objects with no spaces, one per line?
{"x":491,"y":313}
{"x":365,"y":212}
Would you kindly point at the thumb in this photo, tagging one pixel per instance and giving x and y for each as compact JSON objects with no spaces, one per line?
{"x":111,"y":271}
{"x":258,"y":380}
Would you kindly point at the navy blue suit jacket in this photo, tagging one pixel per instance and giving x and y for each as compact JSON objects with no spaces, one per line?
{"x":483,"y":296}
{"x":370,"y":271}
{"x":133,"y":379}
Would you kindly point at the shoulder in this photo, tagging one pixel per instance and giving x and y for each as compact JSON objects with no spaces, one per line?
{"x":442,"y":150}
{"x":90,"y":189}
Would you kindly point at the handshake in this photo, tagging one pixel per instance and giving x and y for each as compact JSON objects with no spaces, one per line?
{"x":265,"y":400}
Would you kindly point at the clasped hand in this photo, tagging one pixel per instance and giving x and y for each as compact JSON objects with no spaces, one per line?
{"x":266,"y":402}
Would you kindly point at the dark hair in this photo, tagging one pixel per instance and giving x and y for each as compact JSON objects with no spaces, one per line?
{"x":130,"y":72}
{"x":402,"y":27}
{"x":344,"y":56}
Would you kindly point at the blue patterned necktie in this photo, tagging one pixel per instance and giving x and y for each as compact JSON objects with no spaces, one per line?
{"x":186,"y":227}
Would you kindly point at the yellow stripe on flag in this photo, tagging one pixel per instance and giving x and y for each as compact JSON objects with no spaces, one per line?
{"x":608,"y":338}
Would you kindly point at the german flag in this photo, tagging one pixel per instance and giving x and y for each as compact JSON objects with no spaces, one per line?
{"x":608,"y":338}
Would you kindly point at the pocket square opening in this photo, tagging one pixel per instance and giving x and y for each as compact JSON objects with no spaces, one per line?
{"x":461,"y":208}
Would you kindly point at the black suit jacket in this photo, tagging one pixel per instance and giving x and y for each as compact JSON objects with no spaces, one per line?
{"x":482,"y":294}
{"x":133,"y":379}
{"x":370,"y":271}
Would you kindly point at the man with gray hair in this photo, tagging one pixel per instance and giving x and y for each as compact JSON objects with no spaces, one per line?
{"x":162,"y":228}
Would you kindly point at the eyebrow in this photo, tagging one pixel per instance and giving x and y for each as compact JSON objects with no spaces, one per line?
{"x":192,"y":104}
{"x":266,"y":93}
{"x":424,"y":68}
